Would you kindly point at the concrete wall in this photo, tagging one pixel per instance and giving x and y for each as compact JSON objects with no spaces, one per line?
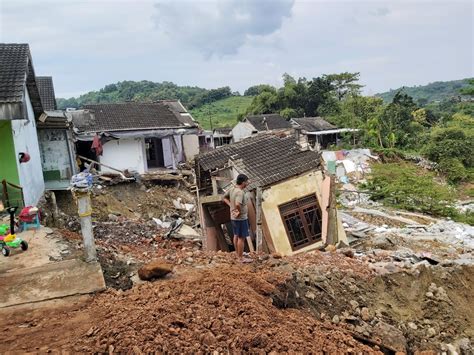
{"x":281,"y":193}
{"x":26,"y":140}
{"x":125,"y":153}
{"x":190,"y":146}
{"x":54,"y":149}
{"x":242,"y":130}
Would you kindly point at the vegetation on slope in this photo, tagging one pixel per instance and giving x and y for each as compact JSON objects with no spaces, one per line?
{"x":423,"y":94}
{"x":222,"y":113}
{"x":147,"y":91}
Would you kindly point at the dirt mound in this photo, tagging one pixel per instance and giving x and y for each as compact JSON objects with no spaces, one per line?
{"x":224,"y":309}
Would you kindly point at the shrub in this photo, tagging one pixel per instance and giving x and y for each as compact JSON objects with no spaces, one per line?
{"x":453,"y":169}
{"x":407,"y":186}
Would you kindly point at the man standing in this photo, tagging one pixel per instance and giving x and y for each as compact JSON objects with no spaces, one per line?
{"x":236,"y":199}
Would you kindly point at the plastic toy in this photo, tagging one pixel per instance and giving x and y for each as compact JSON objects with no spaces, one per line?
{"x":10,"y":240}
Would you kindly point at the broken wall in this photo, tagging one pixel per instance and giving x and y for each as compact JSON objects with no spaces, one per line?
{"x":124,"y":153}
{"x":284,"y":192}
{"x":56,"y":154}
{"x":190,"y":146}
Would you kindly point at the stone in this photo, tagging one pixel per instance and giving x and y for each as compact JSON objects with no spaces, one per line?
{"x":47,"y":230}
{"x":189,"y":260}
{"x":155,"y":269}
{"x":209,"y":339}
{"x":310,"y":295}
{"x":431,"y":332}
{"x":354,"y":304}
{"x":277,"y":255}
{"x":112,"y":217}
{"x":412,"y":325}
{"x":330,"y":248}
{"x":365,"y":314}
{"x":390,"y":336}
{"x":464,"y":344}
{"x":335,"y":319}
{"x":347,"y":252}
{"x":429,"y":294}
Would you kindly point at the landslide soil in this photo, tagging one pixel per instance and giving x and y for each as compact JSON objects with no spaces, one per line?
{"x":221,"y":309}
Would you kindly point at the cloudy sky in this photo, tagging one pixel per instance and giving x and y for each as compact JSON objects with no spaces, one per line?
{"x":86,"y":44}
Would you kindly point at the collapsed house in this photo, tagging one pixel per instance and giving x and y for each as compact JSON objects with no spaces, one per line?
{"x":20,"y":107}
{"x":321,"y":134}
{"x":291,"y":203}
{"x":252,"y":125}
{"x":139,"y":137}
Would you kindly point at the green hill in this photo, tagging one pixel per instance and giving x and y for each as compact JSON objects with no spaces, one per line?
{"x":437,"y":91}
{"x":223,"y":112}
{"x":147,"y":91}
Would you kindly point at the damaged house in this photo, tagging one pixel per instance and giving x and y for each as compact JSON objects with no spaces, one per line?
{"x":55,"y":139}
{"x":291,"y":205}
{"x":252,"y":125}
{"x":139,"y":137}
{"x":321,"y":134}
{"x":20,"y":107}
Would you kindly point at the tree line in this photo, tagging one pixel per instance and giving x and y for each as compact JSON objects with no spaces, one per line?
{"x":443,"y":131}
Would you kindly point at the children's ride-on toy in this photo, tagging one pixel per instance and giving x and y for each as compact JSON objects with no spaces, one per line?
{"x":8,"y":238}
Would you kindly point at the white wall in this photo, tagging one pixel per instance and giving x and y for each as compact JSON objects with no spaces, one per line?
{"x":26,"y":140}
{"x":124,"y":153}
{"x":190,"y":146}
{"x":54,"y":148}
{"x":242,"y":130}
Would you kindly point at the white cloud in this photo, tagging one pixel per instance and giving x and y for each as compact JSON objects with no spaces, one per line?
{"x":219,"y":27}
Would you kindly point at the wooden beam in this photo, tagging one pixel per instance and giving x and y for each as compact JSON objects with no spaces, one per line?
{"x":258,"y":207}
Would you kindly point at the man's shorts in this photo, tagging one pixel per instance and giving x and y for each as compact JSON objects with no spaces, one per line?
{"x":241,"y":228}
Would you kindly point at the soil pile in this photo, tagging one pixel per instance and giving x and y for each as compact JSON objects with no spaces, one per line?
{"x":224,"y":309}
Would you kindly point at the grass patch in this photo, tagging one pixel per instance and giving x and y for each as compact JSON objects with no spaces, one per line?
{"x":222,"y":112}
{"x":406,"y":186}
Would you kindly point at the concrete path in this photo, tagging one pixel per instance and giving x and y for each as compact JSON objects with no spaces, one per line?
{"x":51,"y":268}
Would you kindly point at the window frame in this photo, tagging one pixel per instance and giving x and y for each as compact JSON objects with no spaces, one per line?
{"x":300,"y":207}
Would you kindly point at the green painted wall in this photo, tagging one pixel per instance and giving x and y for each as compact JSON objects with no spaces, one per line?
{"x":8,"y":166}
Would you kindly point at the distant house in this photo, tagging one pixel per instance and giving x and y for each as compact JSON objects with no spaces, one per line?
{"x":252,"y":125}
{"x":137,"y":136}
{"x":289,"y":208}
{"x":222,"y":136}
{"x":55,"y":139}
{"x":320,"y":133}
{"x":20,"y":106}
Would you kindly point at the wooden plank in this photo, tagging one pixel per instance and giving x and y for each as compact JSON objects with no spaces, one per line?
{"x":326,"y":189}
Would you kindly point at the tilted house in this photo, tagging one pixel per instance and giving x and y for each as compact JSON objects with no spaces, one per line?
{"x":320,"y":133}
{"x":253,"y":125}
{"x":289,"y":208}
{"x":55,"y":139}
{"x":20,"y":107}
{"x":136,"y":136}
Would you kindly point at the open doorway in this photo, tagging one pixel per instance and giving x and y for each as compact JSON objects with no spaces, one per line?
{"x":84,"y":149}
{"x":154,"y":153}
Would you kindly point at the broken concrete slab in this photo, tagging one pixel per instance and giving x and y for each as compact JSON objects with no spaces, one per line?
{"x":50,"y":281}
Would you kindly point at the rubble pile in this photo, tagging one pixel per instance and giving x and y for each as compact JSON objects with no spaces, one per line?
{"x":217,"y":310}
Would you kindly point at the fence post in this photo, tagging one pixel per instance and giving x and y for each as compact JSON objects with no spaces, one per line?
{"x":84,"y":209}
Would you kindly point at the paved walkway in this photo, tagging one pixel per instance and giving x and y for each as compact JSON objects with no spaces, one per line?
{"x":49,"y":269}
